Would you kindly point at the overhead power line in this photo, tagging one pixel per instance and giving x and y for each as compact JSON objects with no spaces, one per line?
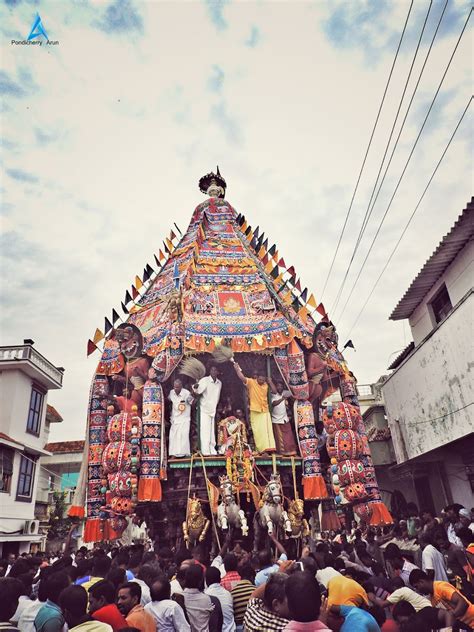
{"x":409,"y":219}
{"x":367,"y":151}
{"x":406,"y":165}
{"x":450,"y":412}
{"x":368,"y":213}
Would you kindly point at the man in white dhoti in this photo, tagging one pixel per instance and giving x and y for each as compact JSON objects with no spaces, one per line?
{"x":209,"y":389}
{"x":181,"y":400}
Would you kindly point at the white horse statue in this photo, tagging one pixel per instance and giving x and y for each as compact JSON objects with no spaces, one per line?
{"x":271,"y":514}
{"x":228,"y":512}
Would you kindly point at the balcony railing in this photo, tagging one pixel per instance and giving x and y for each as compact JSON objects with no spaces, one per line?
{"x":26,"y":352}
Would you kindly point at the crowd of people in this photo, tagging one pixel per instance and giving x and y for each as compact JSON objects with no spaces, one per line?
{"x":413,"y":577}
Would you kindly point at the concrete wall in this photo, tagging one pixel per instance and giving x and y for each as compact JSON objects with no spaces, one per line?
{"x":458,"y":278}
{"x":436,"y":379}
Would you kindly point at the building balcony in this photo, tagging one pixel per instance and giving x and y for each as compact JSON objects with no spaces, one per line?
{"x":26,"y":358}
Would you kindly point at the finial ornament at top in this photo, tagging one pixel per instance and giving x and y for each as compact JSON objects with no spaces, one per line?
{"x":213,"y":184}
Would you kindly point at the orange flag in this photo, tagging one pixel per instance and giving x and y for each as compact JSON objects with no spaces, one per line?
{"x":312,"y":302}
{"x":138,"y":282}
{"x":98,"y":336}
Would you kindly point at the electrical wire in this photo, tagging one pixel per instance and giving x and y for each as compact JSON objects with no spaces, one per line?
{"x":368,"y":213}
{"x":450,"y":412}
{"x":406,"y":165}
{"x":367,"y":151}
{"x":410,"y":218}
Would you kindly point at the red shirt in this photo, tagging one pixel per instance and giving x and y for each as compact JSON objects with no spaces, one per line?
{"x":110,"y":614}
{"x":230,"y":579}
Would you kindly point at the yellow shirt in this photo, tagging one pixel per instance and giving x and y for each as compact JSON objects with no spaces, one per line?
{"x":442,"y":592}
{"x":344,"y":591}
{"x":258,"y":395}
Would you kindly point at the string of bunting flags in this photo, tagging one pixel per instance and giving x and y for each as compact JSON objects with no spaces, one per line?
{"x":139,"y":283}
{"x":290,"y":290}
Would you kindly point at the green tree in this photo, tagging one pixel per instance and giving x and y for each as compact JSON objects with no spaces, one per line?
{"x":59,"y":526}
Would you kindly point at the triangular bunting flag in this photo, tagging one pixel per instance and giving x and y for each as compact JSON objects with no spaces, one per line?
{"x":256,"y":232}
{"x":138,"y":282}
{"x":135,"y":293}
{"x":279,"y":278}
{"x":269,"y":267}
{"x":275,"y":256}
{"x":274,"y":273}
{"x":108,"y":326}
{"x":167,"y":250}
{"x":292,"y":280}
{"x":244,"y":226}
{"x":312,"y":302}
{"x":161,"y":255}
{"x":272,"y":250}
{"x":320,"y":309}
{"x":98,"y":336}
{"x":128,"y":298}
{"x":238,"y":218}
{"x":91,"y":347}
{"x":146,"y":276}
{"x":261,"y":252}
{"x":265,"y":243}
{"x":298,"y":285}
{"x":124,"y":309}
{"x":170,"y":245}
{"x":304,"y":295}
{"x":157,"y":262}
{"x":149,"y":269}
{"x":303,"y":314}
{"x":291,"y":270}
{"x":172,"y":235}
{"x":115,"y":316}
{"x":296,"y":305}
{"x":265,"y":259}
{"x":282,"y":263}
{"x":248,"y":230}
{"x":250,"y":236}
{"x":177,"y":228}
{"x":349,"y":345}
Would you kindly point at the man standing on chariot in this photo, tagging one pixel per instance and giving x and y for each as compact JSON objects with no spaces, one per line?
{"x":209,"y":390}
{"x":181,"y":400}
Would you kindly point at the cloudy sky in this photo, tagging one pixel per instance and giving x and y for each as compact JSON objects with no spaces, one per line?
{"x":105,"y":136}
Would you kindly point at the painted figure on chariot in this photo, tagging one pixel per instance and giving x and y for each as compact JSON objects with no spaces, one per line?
{"x":223,"y":365}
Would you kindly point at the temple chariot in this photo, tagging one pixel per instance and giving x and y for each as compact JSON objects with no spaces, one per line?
{"x":213,"y":404}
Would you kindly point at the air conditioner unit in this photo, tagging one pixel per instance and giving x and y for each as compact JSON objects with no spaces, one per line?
{"x":31,"y":527}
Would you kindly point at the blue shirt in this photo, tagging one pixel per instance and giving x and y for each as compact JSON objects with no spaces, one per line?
{"x":357,"y":620}
{"x":49,"y":618}
{"x":262,"y":576}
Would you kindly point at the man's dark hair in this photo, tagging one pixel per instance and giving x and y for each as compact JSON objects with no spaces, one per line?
{"x":122,"y":558}
{"x":181,"y":555}
{"x":54,"y":584}
{"x":134,"y":588}
{"x":274,"y":589}
{"x":104,"y":589}
{"x":230,"y":562}
{"x":74,"y":600}
{"x":416,"y":575}
{"x":213,"y":575}
{"x":403,"y":609}
{"x":160,"y":589}
{"x":165,"y":552}
{"x":101,"y":565}
{"x":339,"y":564}
{"x":117,"y":576}
{"x":147,"y":573}
{"x":304,"y":596}
{"x":20,"y":567}
{"x":265,"y":558}
{"x":194,"y":577}
{"x":310,"y":565}
{"x":391,"y":551}
{"x":135,"y":560}
{"x":247,"y":572}
{"x":84,"y":567}
{"x":10,"y":591}
{"x":27,"y":582}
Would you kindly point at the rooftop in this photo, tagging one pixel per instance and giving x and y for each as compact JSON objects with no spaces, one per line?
{"x":25,"y":358}
{"x":65,"y":447}
{"x":53,"y":415}
{"x":449,"y":247}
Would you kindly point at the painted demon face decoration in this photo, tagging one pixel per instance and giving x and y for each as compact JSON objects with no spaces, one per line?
{"x":324,"y":338}
{"x":130,"y":340}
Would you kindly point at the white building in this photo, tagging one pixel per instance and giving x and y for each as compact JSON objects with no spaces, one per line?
{"x":429,"y":396}
{"x":25,"y":379}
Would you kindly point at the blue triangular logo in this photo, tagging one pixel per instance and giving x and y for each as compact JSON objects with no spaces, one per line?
{"x":37,"y":29}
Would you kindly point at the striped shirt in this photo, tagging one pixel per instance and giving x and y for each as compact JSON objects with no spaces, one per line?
{"x":259,"y":619}
{"x":240,"y":596}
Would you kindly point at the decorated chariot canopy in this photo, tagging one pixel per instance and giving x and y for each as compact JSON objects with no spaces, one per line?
{"x":219,"y":286}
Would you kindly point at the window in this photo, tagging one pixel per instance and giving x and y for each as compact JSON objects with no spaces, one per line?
{"x":6,"y":469}
{"x":34,"y":413}
{"x":441,"y":304}
{"x":26,"y":478}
